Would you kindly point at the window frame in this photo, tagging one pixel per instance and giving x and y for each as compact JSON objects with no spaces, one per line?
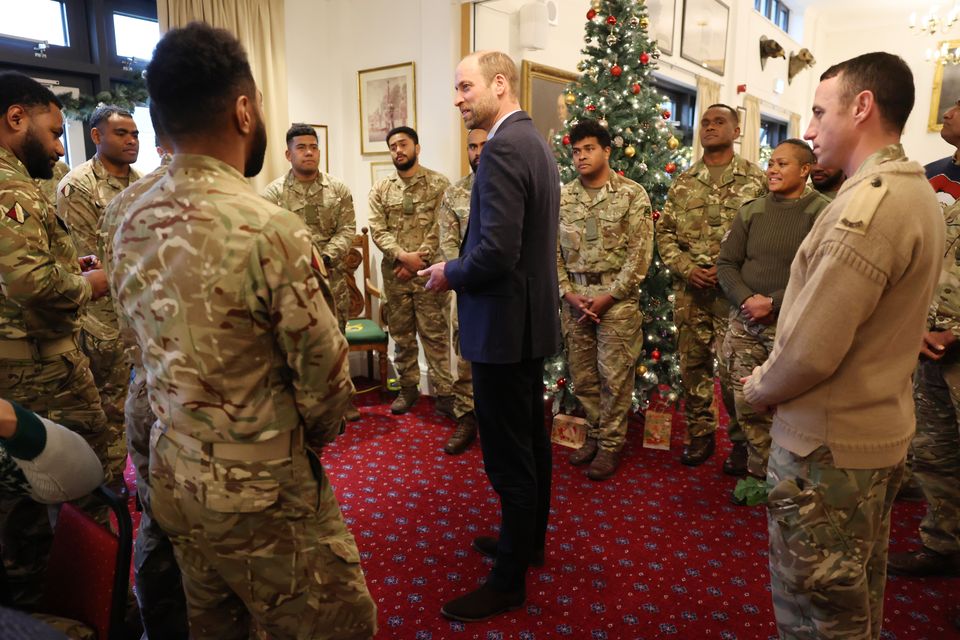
{"x":684,"y":115}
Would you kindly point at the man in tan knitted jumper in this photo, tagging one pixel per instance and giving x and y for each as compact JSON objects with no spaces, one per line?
{"x":839,"y":374}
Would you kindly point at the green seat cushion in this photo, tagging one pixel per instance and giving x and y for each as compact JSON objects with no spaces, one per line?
{"x":363,"y":331}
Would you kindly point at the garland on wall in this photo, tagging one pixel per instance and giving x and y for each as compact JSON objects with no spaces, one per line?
{"x":126,"y":96}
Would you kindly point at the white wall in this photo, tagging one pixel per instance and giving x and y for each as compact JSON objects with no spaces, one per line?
{"x":839,"y":34}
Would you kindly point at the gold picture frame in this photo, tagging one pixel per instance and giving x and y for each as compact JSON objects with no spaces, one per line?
{"x":704,"y":34}
{"x":541,"y":96}
{"x":323,"y":141}
{"x":380,"y":170}
{"x":387,"y":97}
{"x":946,"y":89}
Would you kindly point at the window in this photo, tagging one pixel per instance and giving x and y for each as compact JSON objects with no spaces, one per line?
{"x":775,"y":11}
{"x":135,"y":37}
{"x":681,"y":102}
{"x":772,"y":131}
{"x":39,"y":20}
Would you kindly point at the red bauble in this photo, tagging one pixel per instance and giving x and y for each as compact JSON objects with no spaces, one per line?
{"x":611,"y":20}
{"x":561,"y":382}
{"x":666,"y":114}
{"x":656,"y":215}
{"x":655,"y":354}
{"x":644,"y":57}
{"x":591,"y":14}
{"x":566,"y":140}
{"x":670,"y":167}
{"x":591,"y":108}
{"x":635,"y":89}
{"x":620,"y":171}
{"x":616,"y":70}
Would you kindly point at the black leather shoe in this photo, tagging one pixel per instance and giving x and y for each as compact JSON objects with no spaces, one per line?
{"x":485,"y":602}
{"x":924,"y":563}
{"x":736,"y":462}
{"x":698,"y":451}
{"x":487,"y":545}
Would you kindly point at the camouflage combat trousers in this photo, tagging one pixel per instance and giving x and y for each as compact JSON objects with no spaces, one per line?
{"x":602,"y":359}
{"x":701,"y":316}
{"x":747,"y":345}
{"x":60,"y":388}
{"x":936,"y":451}
{"x":463,"y":384}
{"x":829,"y":533}
{"x":341,"y":296}
{"x":262,"y":542}
{"x":163,"y":607}
{"x":413,"y":311}
{"x":111,"y":373}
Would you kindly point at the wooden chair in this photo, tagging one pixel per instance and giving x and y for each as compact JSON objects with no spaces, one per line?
{"x":363,"y":332}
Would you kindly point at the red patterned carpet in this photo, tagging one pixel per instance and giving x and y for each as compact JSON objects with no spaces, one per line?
{"x":655,"y":552}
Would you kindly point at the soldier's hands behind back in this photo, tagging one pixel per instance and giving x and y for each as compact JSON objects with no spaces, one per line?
{"x":98,"y":280}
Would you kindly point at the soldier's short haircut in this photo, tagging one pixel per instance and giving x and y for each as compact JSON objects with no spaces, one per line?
{"x":405,"y":130}
{"x":197,"y":73}
{"x":492,"y":63}
{"x":806,"y":153}
{"x":104,"y":112}
{"x":733,"y":112}
{"x":590,"y":129}
{"x":885,"y":75}
{"x":16,"y":88}
{"x":300,"y":129}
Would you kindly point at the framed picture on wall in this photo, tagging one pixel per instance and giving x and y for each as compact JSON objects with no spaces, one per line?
{"x":704,"y":37}
{"x":541,"y":96}
{"x":946,"y":89}
{"x":323,"y":142}
{"x":380,"y":170}
{"x":388,"y":99}
{"x":661,"y":14}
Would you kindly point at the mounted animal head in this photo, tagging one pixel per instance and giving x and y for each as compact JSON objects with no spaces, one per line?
{"x":769,"y":49}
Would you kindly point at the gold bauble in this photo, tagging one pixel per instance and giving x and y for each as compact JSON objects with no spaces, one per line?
{"x":570,"y":98}
{"x":642,"y":369}
{"x":595,"y":4}
{"x":644,"y":23}
{"x":629,"y":151}
{"x":673,"y":143}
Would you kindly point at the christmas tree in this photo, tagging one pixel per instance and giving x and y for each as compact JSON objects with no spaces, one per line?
{"x":616,"y":89}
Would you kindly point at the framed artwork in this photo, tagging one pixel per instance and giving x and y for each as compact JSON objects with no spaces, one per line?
{"x":380,"y":170}
{"x":541,"y":96}
{"x":946,"y":89}
{"x":661,"y":15}
{"x":704,"y":37}
{"x":323,"y":141}
{"x":388,"y":99}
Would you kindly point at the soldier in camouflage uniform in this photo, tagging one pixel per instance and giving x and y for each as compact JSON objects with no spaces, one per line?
{"x":159,"y":590}
{"x":827,"y":181}
{"x":326,"y":207}
{"x":452,"y":220}
{"x":700,"y":206}
{"x":936,"y":444}
{"x":247,"y":371}
{"x":604,"y":251}
{"x":42,"y":289}
{"x":403,"y":223}
{"x":82,"y":196}
{"x":753,"y":269}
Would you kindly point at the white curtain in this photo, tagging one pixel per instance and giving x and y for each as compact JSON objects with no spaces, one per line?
{"x":708,"y":93}
{"x":259,"y":26}
{"x":794,"y":129}
{"x":750,"y":147}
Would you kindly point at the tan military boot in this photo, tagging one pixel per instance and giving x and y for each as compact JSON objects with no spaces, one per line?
{"x":405,"y":400}
{"x":604,"y":464}
{"x":352,"y":414}
{"x":444,"y":407}
{"x":585,"y":453}
{"x":465,"y":434}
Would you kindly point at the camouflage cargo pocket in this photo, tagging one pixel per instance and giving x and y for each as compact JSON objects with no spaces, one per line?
{"x":808,"y":552}
{"x":226,"y":486}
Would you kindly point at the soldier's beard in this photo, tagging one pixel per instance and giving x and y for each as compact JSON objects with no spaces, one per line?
{"x":406,"y":165}
{"x":35,"y":158}
{"x":829,"y":184}
{"x":258,"y":150}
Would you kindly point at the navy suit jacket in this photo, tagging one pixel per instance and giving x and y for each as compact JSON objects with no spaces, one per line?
{"x":506,"y":275}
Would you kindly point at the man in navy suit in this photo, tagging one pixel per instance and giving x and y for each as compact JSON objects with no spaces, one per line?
{"x":507,"y":299}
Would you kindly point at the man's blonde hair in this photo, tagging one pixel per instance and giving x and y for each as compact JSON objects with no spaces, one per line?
{"x":492,"y":63}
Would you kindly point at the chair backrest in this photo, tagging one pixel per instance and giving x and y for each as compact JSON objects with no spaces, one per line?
{"x":361,"y":302}
{"x":88,"y":571}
